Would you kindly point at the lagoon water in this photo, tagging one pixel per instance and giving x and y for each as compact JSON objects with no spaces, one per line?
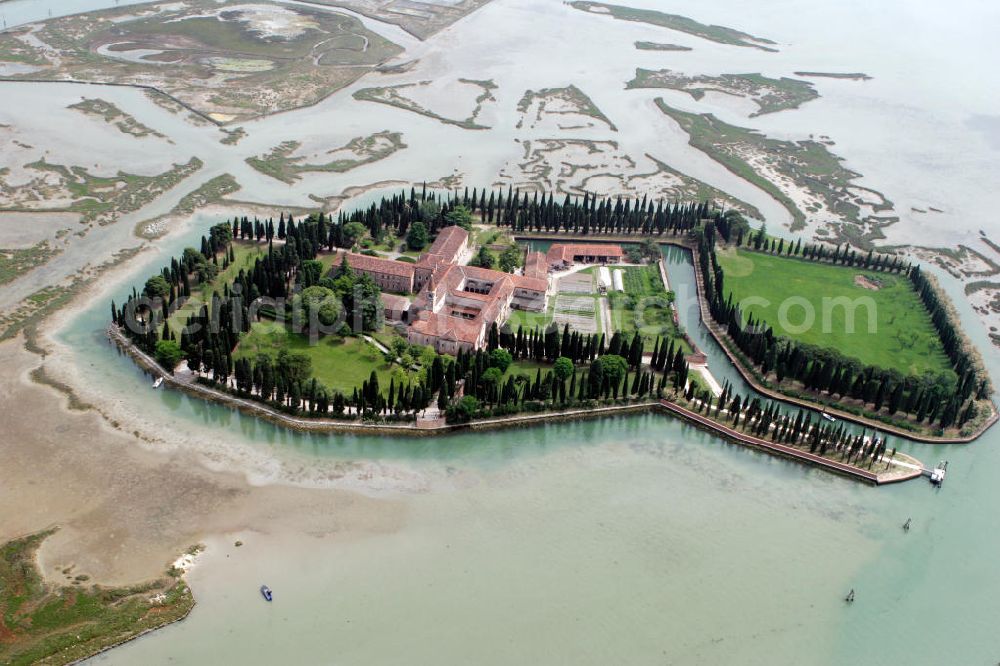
{"x":633,"y":540}
{"x":625,"y":540}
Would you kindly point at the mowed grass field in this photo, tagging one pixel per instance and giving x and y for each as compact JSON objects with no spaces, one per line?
{"x":903,"y":336}
{"x":337,"y":362}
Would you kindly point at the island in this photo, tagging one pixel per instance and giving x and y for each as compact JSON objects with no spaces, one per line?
{"x":660,"y":46}
{"x":805,"y":177}
{"x":73,"y":620}
{"x":719,"y":34}
{"x":427,"y":313}
{"x":768,"y":94}
{"x":222,"y":64}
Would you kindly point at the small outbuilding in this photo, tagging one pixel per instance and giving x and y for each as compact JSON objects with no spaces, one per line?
{"x":397,"y":307}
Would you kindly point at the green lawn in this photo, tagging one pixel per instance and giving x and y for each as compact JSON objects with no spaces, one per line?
{"x":638,"y":280}
{"x":528,"y":368}
{"x":903,"y":336}
{"x":389,"y":244}
{"x":530,"y":320}
{"x":339,"y":363}
{"x":387,"y":336}
{"x":245,"y":253}
{"x":327,"y":259}
{"x":487,"y":235}
{"x":651,"y":316}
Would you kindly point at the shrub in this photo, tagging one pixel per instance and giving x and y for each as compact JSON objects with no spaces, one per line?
{"x":501,"y":360}
{"x":168,"y":354}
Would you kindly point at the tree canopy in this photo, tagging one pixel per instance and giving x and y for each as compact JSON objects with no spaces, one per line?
{"x":168,"y":354}
{"x":156,"y":287}
{"x":417,"y":237}
{"x":463,"y":410}
{"x":310,"y":272}
{"x":459,"y":215}
{"x":509,"y":259}
{"x":484,"y":258}
{"x":614,"y":366}
{"x":351,"y":232}
{"x":362,"y":301}
{"x":294,"y":365}
{"x":320,"y":304}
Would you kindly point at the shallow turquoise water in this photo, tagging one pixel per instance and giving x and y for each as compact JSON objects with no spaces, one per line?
{"x":623,"y":540}
{"x":628,"y":540}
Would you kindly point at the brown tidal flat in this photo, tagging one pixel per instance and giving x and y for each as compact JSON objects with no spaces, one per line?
{"x":125,"y":513}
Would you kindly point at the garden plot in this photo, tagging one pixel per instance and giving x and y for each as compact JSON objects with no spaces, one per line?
{"x":580,"y":312}
{"x":576,"y":283}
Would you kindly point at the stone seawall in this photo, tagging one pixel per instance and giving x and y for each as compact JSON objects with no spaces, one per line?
{"x":787,"y":451}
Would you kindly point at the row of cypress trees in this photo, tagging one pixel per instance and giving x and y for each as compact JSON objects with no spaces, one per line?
{"x":767,"y":419}
{"x":589,"y":215}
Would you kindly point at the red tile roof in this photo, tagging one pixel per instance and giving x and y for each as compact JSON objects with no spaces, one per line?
{"x":566,"y":252}
{"x":445,"y":248}
{"x":449,"y":241}
{"x":395,"y":302}
{"x":472,"y":295}
{"x":363,"y":262}
{"x":448,"y":328}
{"x":535,"y":265}
{"x":534,"y":284}
{"x":464,"y":309}
{"x":449,"y":279}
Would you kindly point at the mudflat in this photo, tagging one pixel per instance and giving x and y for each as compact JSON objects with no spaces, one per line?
{"x":125,"y":513}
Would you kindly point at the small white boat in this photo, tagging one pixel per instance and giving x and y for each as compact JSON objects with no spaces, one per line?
{"x":937,"y":474}
{"x":265,"y":592}
{"x":828,"y":417}
{"x":158,"y":383}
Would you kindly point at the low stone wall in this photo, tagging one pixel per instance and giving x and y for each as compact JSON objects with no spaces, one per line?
{"x":566,"y":415}
{"x":417,"y":429}
{"x":782,"y":450}
{"x":260,"y":410}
